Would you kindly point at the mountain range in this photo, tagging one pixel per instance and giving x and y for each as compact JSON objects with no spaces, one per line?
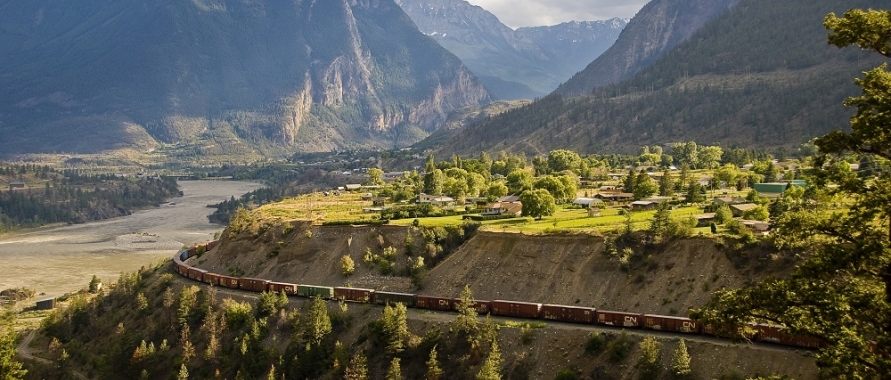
{"x":757,"y":75}
{"x":524,"y":63}
{"x":222,"y":76}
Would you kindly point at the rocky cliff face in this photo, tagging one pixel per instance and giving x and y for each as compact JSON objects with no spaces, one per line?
{"x":522,"y":63}
{"x":655,"y":30}
{"x":302,"y":75}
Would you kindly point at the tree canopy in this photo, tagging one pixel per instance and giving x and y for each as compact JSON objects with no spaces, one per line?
{"x":841,"y":292}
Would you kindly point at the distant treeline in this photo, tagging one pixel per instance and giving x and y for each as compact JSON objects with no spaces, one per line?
{"x":72,"y":196}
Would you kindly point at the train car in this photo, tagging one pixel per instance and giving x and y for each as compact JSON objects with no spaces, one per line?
{"x":516,"y":309}
{"x":196,"y":274}
{"x":184,"y":255}
{"x":617,"y":318}
{"x":383,"y":298}
{"x":778,"y":334}
{"x":211,"y":245}
{"x":481,"y":306}
{"x":253,"y":284}
{"x":434,"y":303}
{"x":290,"y":289}
{"x":353,"y":294}
{"x":568,"y":313}
{"x":229,"y":281}
{"x":212,"y":279}
{"x":666,"y":323}
{"x":310,"y":291}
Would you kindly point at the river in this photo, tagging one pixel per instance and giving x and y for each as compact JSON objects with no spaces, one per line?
{"x":61,"y":259}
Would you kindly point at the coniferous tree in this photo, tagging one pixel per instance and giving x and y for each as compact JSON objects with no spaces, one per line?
{"x":183,"y":372}
{"x":491,"y":369}
{"x":358,"y":368}
{"x":395,"y":370}
{"x":317,"y":323}
{"x":680,"y":361}
{"x":434,"y":371}
{"x":650,"y":361}
{"x":9,"y":367}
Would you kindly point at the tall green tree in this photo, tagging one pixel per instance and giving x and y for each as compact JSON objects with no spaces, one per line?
{"x":10,"y":369}
{"x":317,"y":323}
{"x":395,"y":327}
{"x":434,"y":371}
{"x":666,"y":184}
{"x":395,"y":370}
{"x":842,"y":291}
{"x":645,"y":186}
{"x":680,"y":361}
{"x":538,"y":203}
{"x":650,"y":361}
{"x":491,"y":369}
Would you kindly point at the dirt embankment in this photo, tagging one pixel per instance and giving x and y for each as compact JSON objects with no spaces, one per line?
{"x":574,"y":270}
{"x":302,"y":253}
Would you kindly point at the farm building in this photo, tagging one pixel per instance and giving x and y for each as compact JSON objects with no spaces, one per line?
{"x":46,"y":304}
{"x":644,"y":205}
{"x":17,"y":185}
{"x":587,"y":202}
{"x":739,"y":209}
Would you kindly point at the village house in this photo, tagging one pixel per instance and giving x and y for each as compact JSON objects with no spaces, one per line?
{"x":739,"y":209}
{"x":728,"y":200}
{"x":587,"y":202}
{"x":757,"y":227}
{"x":615,"y":197}
{"x":644,"y":205}
{"x":703,"y":220}
{"x":17,"y":185}
{"x":436,"y":200}
{"x":514,"y":209}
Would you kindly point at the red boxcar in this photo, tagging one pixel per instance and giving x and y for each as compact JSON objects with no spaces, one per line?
{"x":279,"y":286}
{"x":435,"y":303}
{"x":253,"y":284}
{"x":568,"y":313}
{"x":617,"y":318}
{"x":777,"y":334}
{"x":481,"y":306}
{"x":211,"y":245}
{"x":516,"y":309}
{"x":196,"y":274}
{"x":353,"y":294}
{"x":229,"y":282}
{"x":666,"y":323}
{"x":212,"y":278}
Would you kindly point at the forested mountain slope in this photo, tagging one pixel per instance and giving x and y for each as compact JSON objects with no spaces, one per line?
{"x":514,"y":64}
{"x":238,"y":75}
{"x":761,"y":75}
{"x":655,"y":30}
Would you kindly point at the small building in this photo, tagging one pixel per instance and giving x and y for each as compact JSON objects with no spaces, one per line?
{"x":587,"y":202}
{"x":644,"y":205}
{"x":514,"y":209}
{"x":615,"y":197}
{"x":379,"y":201}
{"x":436,"y":200}
{"x":594,"y":212}
{"x":17,"y":185}
{"x":508,"y":199}
{"x":740,"y":209}
{"x":46,"y":303}
{"x":658,"y":199}
{"x":757,"y":227}
{"x":353,"y":187}
{"x":703,"y":220}
{"x":367,"y":197}
{"x":391,"y":176}
{"x":728,"y":200}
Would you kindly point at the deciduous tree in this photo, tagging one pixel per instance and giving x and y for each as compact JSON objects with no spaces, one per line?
{"x":538,"y":203}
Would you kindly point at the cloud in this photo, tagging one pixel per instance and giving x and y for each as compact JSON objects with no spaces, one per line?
{"x":518,"y":13}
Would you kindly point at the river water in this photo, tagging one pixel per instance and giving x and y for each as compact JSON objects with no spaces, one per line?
{"x":57,"y":260}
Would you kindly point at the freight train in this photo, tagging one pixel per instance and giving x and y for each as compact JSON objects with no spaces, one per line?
{"x":515,"y":309}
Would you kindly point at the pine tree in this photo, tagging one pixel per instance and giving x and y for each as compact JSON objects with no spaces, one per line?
{"x":434,"y":371}
{"x":186,"y":344}
{"x":183,"y":373}
{"x":395,"y":370}
{"x":317,"y":322}
{"x":650,"y":362}
{"x":491,"y":369}
{"x":666,"y":184}
{"x":466,"y":319}
{"x":680,"y":362}
{"x":94,"y":284}
{"x":358,"y":368}
{"x":395,"y":327}
{"x":9,"y":368}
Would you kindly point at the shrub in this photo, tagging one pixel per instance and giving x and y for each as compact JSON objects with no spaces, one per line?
{"x":596,"y":342}
{"x":237,"y":313}
{"x":619,"y":348}
{"x":347,"y":266}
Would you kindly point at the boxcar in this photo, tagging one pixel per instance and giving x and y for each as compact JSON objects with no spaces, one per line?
{"x":310,"y":291}
{"x":211,"y":245}
{"x":196,"y":274}
{"x":383,"y":298}
{"x":353,"y":294}
{"x":289,"y":289}
{"x":229,"y":282}
{"x":516,"y":309}
{"x":212,"y":278}
{"x":184,"y":255}
{"x":481,"y":306}
{"x":434,"y":303}
{"x":253,"y":284}
{"x":777,"y":334}
{"x":568,"y":313}
{"x":666,"y":323}
{"x":617,"y":318}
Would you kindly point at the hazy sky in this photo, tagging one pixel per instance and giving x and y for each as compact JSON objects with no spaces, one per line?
{"x":517,"y":13}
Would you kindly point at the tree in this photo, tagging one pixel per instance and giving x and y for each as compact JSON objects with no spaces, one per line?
{"x":629,"y":181}
{"x":434,"y":371}
{"x":395,"y":327}
{"x":317,"y":324}
{"x":358,"y":368}
{"x":434,"y":182}
{"x":347,"y":265}
{"x":645,"y":186}
{"x":553,"y":186}
{"x":666,"y":184}
{"x":94,"y":284}
{"x":375,"y":177}
{"x":757,"y":213}
{"x":841,"y":291}
{"x":491,"y":369}
{"x":395,"y":370}
{"x":183,"y":372}
{"x":496,"y":190}
{"x":723,"y":214}
{"x":562,"y":159}
{"x":538,"y":203}
{"x":650,"y":361}
{"x":519,"y":181}
{"x":9,"y":368}
{"x":727,"y":174}
{"x":709,"y":156}
{"x":466,"y":319}
{"x":680,"y":361}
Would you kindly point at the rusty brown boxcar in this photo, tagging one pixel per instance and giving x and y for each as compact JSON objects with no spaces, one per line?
{"x":516,"y":309}
{"x":434,"y":303}
{"x":666,"y":323}
{"x":196,"y":274}
{"x":212,"y":278}
{"x":618,"y":318}
{"x":290,"y":289}
{"x":481,"y":306}
{"x":568,"y":313}
{"x":211,"y":245}
{"x":253,"y":284}
{"x":383,"y":298}
{"x":353,"y":294}
{"x":229,"y":282}
{"x":778,"y":334}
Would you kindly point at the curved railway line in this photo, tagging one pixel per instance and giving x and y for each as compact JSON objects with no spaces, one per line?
{"x":574,"y":315}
